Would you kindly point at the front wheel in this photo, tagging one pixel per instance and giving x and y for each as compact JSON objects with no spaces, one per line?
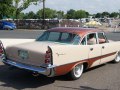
{"x":76,"y":72}
{"x":117,"y":59}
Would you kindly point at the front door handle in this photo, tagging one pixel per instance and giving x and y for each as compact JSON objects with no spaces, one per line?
{"x":91,"y":49}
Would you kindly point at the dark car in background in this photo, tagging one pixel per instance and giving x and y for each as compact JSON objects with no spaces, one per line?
{"x":7,"y":25}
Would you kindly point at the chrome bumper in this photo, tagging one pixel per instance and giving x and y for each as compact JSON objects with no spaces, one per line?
{"x":48,"y":71}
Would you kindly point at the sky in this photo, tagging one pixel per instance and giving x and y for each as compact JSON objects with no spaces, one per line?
{"x":92,"y":6}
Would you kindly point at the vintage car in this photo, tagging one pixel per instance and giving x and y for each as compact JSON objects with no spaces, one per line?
{"x":6,"y":25}
{"x":61,"y":51}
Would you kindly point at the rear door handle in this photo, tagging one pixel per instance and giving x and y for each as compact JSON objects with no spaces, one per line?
{"x":103,"y":47}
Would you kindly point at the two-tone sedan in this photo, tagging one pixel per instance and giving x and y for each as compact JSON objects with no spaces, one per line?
{"x":61,"y":51}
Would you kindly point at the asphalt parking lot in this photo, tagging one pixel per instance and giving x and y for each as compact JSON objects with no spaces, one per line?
{"x":104,"y":77}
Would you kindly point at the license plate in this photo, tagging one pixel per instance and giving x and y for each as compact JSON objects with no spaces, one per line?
{"x":23,"y":54}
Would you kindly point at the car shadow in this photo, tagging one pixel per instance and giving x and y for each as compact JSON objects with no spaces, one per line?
{"x":81,"y":88}
{"x":93,"y":68}
{"x":19,"y":79}
{"x":89,"y":88}
{"x":66,"y":78}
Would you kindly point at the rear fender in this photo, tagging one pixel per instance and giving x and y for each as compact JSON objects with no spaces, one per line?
{"x":66,"y":57}
{"x":64,"y":69}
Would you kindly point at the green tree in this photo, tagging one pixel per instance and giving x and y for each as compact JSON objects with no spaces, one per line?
{"x":87,"y":13}
{"x":30,"y":15}
{"x":21,"y":15}
{"x":105,"y":14}
{"x":60,"y":14}
{"x":49,"y":13}
{"x":6,"y":8}
{"x":21,"y":5}
{"x":70,"y":14}
{"x":81,"y":14}
{"x":98,"y":15}
{"x":114,"y":14}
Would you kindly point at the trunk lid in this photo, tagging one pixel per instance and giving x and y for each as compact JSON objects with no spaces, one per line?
{"x":32,"y":53}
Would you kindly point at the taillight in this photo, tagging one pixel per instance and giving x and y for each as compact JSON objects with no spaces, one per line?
{"x":48,"y":56}
{"x":1,"y":49}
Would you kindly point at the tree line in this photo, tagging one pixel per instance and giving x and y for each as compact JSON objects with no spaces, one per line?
{"x":13,"y":9}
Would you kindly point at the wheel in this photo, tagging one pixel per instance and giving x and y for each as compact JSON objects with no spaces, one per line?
{"x":76,"y":72}
{"x":117,"y":59}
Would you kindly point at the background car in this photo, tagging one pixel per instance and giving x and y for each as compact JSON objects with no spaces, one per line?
{"x":6,"y":25}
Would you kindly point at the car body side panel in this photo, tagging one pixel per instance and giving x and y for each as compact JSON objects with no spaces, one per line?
{"x":65,"y":54}
{"x":66,"y":57}
{"x":64,"y":69}
{"x":95,"y":52}
{"x":108,"y":48}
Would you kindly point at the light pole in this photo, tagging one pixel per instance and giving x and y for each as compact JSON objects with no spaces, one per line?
{"x":119,"y":13}
{"x":43,"y":14}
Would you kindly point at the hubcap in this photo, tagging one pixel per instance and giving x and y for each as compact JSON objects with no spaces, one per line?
{"x":118,"y":58}
{"x":78,"y":70}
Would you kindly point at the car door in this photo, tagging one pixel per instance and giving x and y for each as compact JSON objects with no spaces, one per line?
{"x":108,"y":50}
{"x":94,"y":50}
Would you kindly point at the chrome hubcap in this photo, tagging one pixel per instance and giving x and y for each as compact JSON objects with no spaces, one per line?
{"x":118,"y":57}
{"x":78,"y":70}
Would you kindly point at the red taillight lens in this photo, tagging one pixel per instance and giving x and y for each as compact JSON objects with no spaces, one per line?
{"x":47,"y":61}
{"x":1,"y":48}
{"x":48,"y":56}
{"x":1,"y":51}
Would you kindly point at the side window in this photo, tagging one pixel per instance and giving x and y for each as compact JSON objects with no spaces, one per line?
{"x":101,"y":38}
{"x":64,"y":36}
{"x":76,"y":40}
{"x":43,"y":37}
{"x":54,"y":36}
{"x":67,"y":37}
{"x":84,"y":41}
{"x":91,"y":39}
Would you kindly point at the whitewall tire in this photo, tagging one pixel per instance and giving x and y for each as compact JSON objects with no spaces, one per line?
{"x":117,"y":58}
{"x":76,"y":72}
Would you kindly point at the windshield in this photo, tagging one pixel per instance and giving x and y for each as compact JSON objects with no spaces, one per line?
{"x":60,"y":37}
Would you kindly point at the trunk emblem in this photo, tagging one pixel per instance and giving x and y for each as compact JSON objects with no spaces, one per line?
{"x":23,"y":54}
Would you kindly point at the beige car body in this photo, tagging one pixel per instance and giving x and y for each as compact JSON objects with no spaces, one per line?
{"x":64,"y":57}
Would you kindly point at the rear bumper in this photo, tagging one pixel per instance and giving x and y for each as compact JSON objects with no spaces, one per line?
{"x":47,"y":71}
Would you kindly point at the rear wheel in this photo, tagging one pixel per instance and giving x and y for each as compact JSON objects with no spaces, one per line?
{"x":117,"y":59}
{"x":76,"y":72}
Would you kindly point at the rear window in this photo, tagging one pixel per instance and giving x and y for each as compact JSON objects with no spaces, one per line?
{"x":58,"y":37}
{"x":53,"y":36}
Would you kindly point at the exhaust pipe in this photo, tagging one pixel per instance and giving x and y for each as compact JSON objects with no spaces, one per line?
{"x":35,"y":74}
